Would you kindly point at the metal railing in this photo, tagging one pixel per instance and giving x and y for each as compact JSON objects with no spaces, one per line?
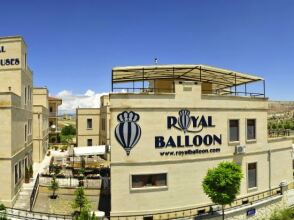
{"x":142,"y":90}
{"x":72,"y":182}
{"x":278,"y":132}
{"x":24,"y":214}
{"x":204,"y":210}
{"x":34,"y":193}
{"x":172,"y":90}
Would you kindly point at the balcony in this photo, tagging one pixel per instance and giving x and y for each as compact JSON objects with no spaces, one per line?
{"x":53,"y":114}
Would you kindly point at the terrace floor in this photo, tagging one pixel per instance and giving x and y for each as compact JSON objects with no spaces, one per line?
{"x":62,"y":205}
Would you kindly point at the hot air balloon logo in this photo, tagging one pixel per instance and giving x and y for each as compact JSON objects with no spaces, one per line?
{"x":184,"y":120}
{"x":128,"y":132}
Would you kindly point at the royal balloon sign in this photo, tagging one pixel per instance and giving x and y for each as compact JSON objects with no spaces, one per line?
{"x":190,"y":126}
{"x":128,"y":132}
{"x":191,"y":137}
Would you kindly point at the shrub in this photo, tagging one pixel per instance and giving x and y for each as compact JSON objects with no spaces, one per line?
{"x":54,"y":186}
{"x":81,"y":202}
{"x":2,"y":207}
{"x":284,"y":214}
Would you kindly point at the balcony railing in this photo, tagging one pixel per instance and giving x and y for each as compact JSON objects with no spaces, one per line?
{"x":53,"y":114}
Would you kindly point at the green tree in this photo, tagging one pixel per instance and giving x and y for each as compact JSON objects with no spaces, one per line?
{"x":68,"y":130}
{"x":86,"y":215}
{"x":81,"y":202}
{"x":222,"y":183}
{"x":54,"y":186}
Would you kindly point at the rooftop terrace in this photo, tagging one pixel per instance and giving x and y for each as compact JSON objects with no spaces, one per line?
{"x":161,"y":78}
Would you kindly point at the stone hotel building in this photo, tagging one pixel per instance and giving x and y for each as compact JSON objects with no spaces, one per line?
{"x":168,"y":124}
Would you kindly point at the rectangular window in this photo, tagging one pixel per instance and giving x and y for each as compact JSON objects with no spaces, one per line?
{"x":149,"y":180}
{"x":25,"y":132}
{"x":50,"y":109}
{"x":15,"y":174}
{"x":89,"y":142}
{"x":234,"y":130}
{"x":252,"y":175}
{"x":25,"y":95}
{"x":251,"y":129}
{"x":89,"y":123}
{"x":103,"y":124}
{"x":19,"y":170}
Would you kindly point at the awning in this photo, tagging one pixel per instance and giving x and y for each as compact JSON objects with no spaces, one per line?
{"x":218,"y":77}
{"x":88,"y":151}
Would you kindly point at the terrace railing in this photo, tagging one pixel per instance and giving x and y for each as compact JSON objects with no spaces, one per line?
{"x":12,"y":213}
{"x":278,"y":132}
{"x":72,"y":182}
{"x":204,"y":210}
{"x":34,"y":193}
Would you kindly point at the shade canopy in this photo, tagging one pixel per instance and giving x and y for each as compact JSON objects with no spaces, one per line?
{"x":89,"y":151}
{"x":219,"y":78}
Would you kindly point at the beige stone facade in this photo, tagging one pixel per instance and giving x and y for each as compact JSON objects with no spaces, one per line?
{"x":88,"y":126}
{"x":16,"y":86}
{"x":40,"y":123}
{"x":53,"y":118}
{"x":164,"y":169}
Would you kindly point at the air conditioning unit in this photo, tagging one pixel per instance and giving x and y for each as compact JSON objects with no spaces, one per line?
{"x":239,"y":149}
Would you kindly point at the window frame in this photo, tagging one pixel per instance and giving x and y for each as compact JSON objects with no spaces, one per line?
{"x":229,"y":131}
{"x":149,"y":188}
{"x":255,"y":135}
{"x":25,"y":133}
{"x":103,"y":124}
{"x":256,"y":173}
{"x":16,"y":174}
{"x":88,"y":142}
{"x":89,"y":119}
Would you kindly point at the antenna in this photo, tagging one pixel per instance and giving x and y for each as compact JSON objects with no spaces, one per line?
{"x":155,"y":60}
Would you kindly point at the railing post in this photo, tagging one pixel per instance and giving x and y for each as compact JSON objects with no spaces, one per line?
{"x":235,"y":84}
{"x":264,"y":88}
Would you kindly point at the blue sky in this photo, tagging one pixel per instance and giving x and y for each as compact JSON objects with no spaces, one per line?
{"x":74,"y":44}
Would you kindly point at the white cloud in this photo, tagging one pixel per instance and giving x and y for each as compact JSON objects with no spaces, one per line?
{"x":71,"y":101}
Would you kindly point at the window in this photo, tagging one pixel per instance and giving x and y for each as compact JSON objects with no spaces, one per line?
{"x":19,"y":170}
{"x":25,"y":61}
{"x":30,"y":126}
{"x":234,"y":130}
{"x":25,"y":133}
{"x":252,"y":175}
{"x":103,"y":124}
{"x":25,"y":95}
{"x":15,"y":174}
{"x":149,"y":180}
{"x":89,"y":123}
{"x":50,"y":109}
{"x":251,"y":129}
{"x":89,"y":142}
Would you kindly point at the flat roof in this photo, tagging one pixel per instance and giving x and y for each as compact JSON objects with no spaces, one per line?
{"x":218,"y":77}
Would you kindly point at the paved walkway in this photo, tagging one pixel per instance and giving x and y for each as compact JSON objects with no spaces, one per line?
{"x":23,"y":199}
